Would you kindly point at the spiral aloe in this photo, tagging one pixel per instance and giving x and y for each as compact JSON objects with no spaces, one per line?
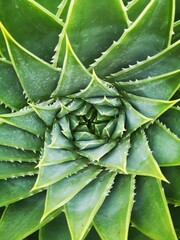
{"x":89,"y":132}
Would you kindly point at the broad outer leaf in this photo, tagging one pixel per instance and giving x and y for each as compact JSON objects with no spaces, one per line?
{"x":81,"y":210}
{"x":27,"y":120}
{"x":39,"y":31}
{"x":132,"y":46}
{"x":13,"y":154}
{"x":164,"y":62}
{"x":151,"y":108}
{"x":16,"y":169}
{"x":15,"y":137}
{"x":22,"y":218}
{"x":164,"y":144}
{"x":37,"y":77}
{"x":140,"y":160}
{"x":171,"y":118}
{"x":112,"y":220}
{"x":63,"y":191}
{"x":155,"y":221}
{"x":98,"y":31}
{"x":13,"y":190}
{"x":11,"y":92}
{"x":161,"y":87}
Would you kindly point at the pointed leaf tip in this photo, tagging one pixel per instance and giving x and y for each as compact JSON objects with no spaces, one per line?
{"x":74,"y":76}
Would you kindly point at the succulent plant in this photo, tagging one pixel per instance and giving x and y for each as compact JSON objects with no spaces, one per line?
{"x":89,"y":132}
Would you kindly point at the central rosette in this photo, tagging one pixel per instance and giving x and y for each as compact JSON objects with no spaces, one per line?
{"x":86,"y":125}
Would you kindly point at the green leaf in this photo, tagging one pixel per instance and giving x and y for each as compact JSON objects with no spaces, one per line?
{"x":11,"y":92}
{"x":84,"y":30}
{"x":171,"y":118}
{"x":51,"y":6}
{"x":161,"y":87}
{"x":107,"y":111}
{"x":37,"y":77}
{"x":151,"y":108}
{"x":155,"y":221}
{"x":136,"y":8}
{"x":81,"y":210}
{"x":95,"y":154}
{"x":98,"y":129}
{"x":63,"y":9}
{"x":109,"y":129}
{"x":22,"y":218}
{"x":120,"y":123}
{"x":13,"y":190}
{"x":74,"y":76}
{"x":13,"y":154}
{"x":46,"y":111}
{"x":113,"y":218}
{"x":27,"y":120}
{"x":105,"y":101}
{"x":66,"y":128}
{"x":57,"y":229}
{"x":63,"y":191}
{"x":116,"y":159}
{"x":132,"y":46}
{"x":172,"y":190}
{"x":74,"y":105}
{"x":16,"y":169}
{"x":53,"y":156}
{"x":164,"y":144}
{"x":97,"y":88}
{"x":54,"y":173}
{"x":140,"y":160}
{"x":84,"y":136}
{"x":32,"y":36}
{"x":133,"y":119}
{"x":58,"y":140}
{"x":15,"y":137}
{"x":90,"y":144}
{"x":162,"y":63}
